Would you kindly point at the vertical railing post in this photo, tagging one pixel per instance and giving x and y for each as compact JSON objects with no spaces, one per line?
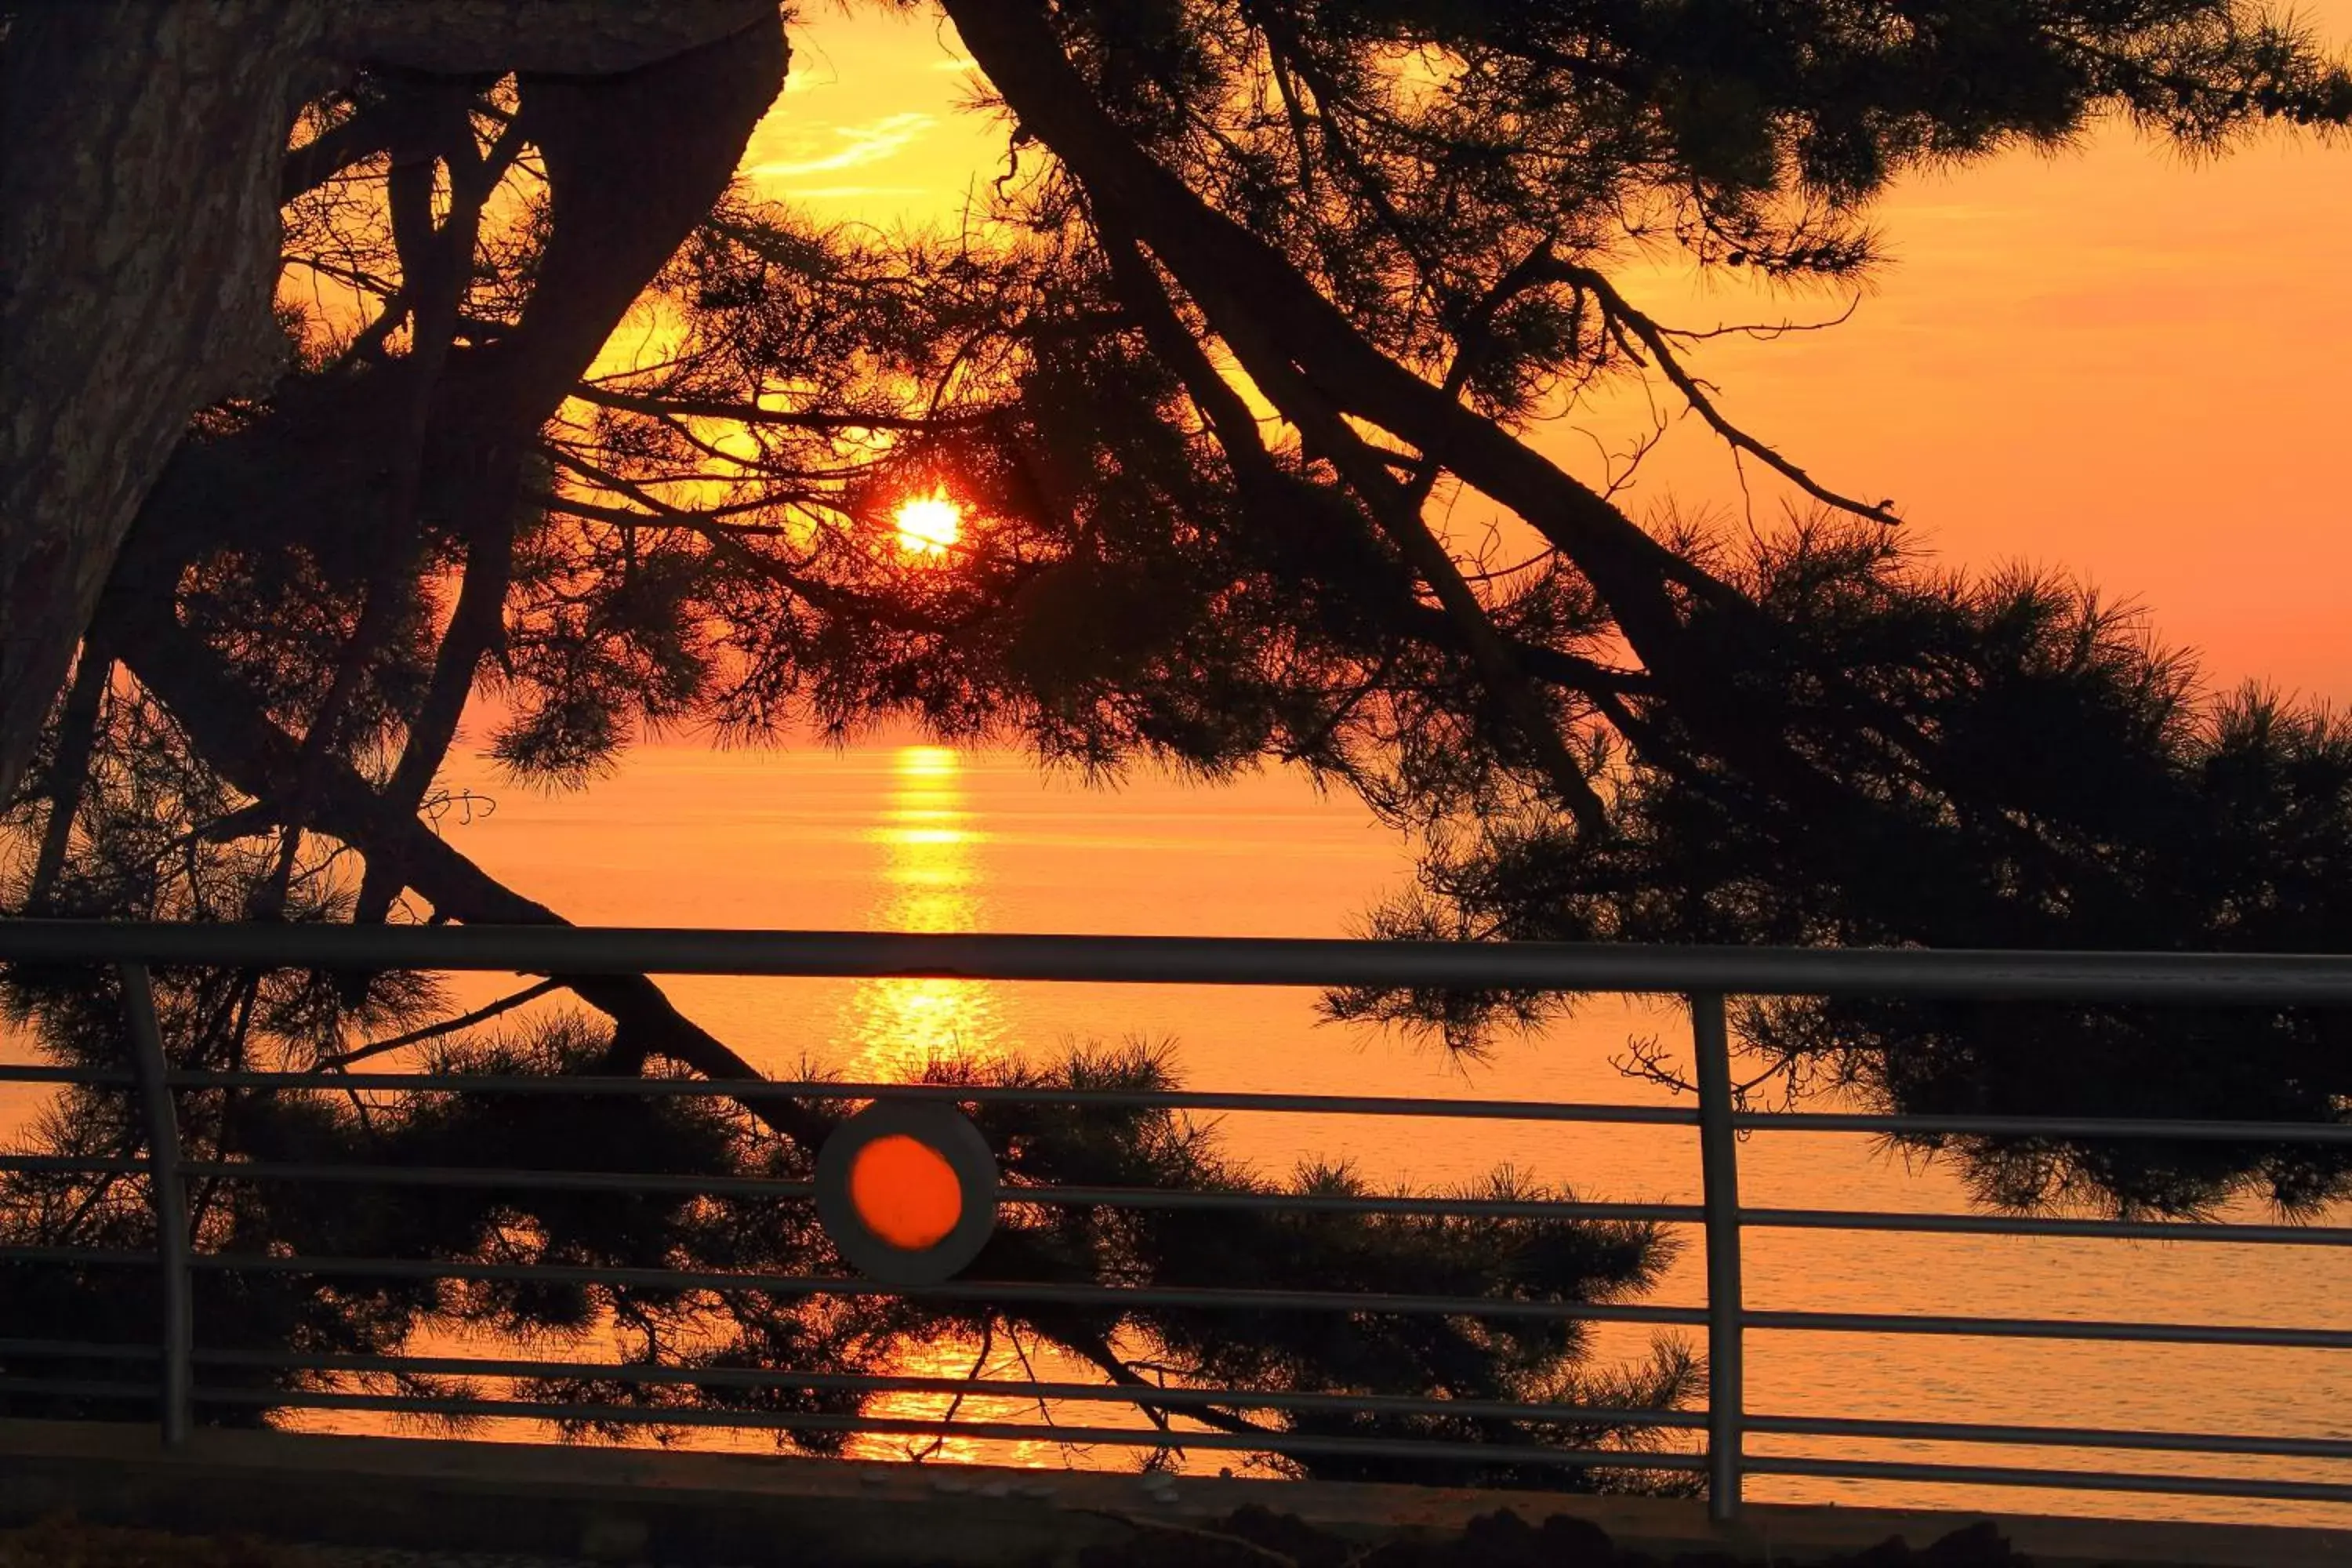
{"x":1719,"y":1151}
{"x":169,"y":1200}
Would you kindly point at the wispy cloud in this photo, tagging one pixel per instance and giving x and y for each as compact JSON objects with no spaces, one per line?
{"x":849,"y":193}
{"x":870,"y":143}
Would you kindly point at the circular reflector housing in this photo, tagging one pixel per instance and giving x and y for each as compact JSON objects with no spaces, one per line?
{"x":907,"y":1191}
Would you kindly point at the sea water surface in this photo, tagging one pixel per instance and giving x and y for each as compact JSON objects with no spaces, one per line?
{"x":925,"y":839}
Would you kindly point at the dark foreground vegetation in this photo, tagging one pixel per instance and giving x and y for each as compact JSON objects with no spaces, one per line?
{"x":1251,"y":1538}
{"x":1256,"y":1538}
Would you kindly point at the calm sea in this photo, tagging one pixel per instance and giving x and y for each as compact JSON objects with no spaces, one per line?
{"x":924,"y":839}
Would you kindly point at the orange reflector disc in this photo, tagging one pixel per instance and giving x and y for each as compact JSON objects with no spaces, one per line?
{"x":907,"y":1191}
{"x":904,"y":1191}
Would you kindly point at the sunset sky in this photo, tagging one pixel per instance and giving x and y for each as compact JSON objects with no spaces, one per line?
{"x":2110,"y":361}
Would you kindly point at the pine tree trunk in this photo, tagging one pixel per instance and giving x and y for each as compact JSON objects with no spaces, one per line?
{"x":138,"y":159}
{"x":141,"y":151}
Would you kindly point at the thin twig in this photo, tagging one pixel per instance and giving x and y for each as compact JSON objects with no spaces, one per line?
{"x":1658,"y":340}
{"x":447,"y":1027}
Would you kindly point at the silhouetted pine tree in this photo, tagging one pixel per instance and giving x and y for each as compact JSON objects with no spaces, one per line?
{"x":1399,"y":222}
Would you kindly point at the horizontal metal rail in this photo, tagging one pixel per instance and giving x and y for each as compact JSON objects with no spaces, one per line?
{"x":102,"y":1256}
{"x":2053,"y":1437}
{"x":1028,"y":1390}
{"x":2032,"y":1225}
{"x":73,"y":1164}
{"x":950,"y":1094}
{"x":1481,"y":1455}
{"x":1701,"y":976}
{"x":1476,"y":1455}
{"x":44,"y":1072}
{"x":2051,"y":1328}
{"x":1033,"y":1390}
{"x":1025,"y":1292}
{"x":502,"y":1178}
{"x":2048,"y":1127}
{"x":2166,"y":978}
{"x":2139,"y":1481}
{"x":1031,"y":1292}
{"x":1227,"y":1398}
{"x":82,"y":1387}
{"x":81,"y":1350}
{"x":1190,"y":1099}
{"x":493,"y":1178}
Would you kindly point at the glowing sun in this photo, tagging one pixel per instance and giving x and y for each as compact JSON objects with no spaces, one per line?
{"x":928,"y":524}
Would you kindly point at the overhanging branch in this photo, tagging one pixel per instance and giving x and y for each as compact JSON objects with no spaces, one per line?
{"x":226,"y":724}
{"x":1658,"y":340}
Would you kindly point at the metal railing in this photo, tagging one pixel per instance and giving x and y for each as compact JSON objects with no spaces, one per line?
{"x":1703,"y":977}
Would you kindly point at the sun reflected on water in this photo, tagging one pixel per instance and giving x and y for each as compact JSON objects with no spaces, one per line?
{"x":930,"y":881}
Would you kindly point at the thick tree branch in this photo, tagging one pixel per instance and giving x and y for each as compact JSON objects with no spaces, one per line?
{"x":691,"y":521}
{"x":225,"y":724}
{"x":1397,"y":515}
{"x":752,"y":414}
{"x":476,"y":626}
{"x":435,"y":263}
{"x":1396,"y":510}
{"x":381,"y":125}
{"x":434,"y":269}
{"x":574,"y":37}
{"x":1693,"y":632}
{"x":76,"y":737}
{"x":1209,"y":254}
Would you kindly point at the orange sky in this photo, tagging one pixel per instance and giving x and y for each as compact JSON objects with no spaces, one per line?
{"x":2108,"y":360}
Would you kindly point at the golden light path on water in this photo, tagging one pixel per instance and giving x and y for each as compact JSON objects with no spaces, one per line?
{"x":891,"y":1029}
{"x":929,"y":880}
